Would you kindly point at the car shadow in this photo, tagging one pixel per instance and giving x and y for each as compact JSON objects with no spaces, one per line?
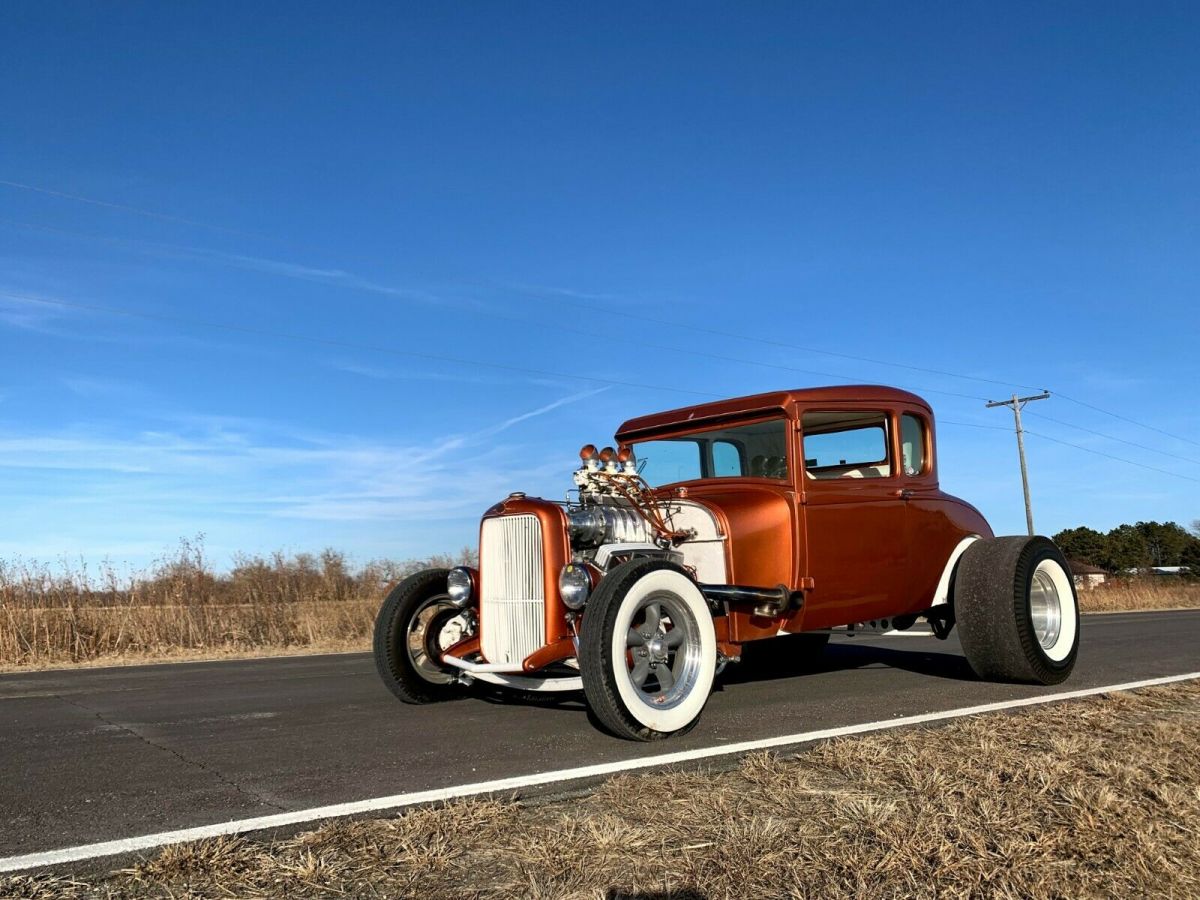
{"x":835,"y":657}
{"x":682,"y":894}
{"x":567,"y":701}
{"x":842,"y":657}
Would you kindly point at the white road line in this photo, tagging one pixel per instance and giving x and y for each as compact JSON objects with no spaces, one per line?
{"x":500,"y":785}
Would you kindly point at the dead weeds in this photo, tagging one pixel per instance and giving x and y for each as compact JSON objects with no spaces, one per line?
{"x":1092,"y":798}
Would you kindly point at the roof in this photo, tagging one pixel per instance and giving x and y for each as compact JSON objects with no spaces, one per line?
{"x":769,"y":402}
{"x":1082,"y":568}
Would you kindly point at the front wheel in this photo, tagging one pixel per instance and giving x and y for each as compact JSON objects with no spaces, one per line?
{"x":416,"y":624}
{"x":1017,"y":611}
{"x":647,"y":651}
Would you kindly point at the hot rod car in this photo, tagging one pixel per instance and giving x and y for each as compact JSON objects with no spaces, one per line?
{"x":705,"y":529}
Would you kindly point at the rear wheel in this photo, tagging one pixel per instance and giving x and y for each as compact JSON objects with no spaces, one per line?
{"x":647,"y":651}
{"x":415,"y":625}
{"x":1016,"y":610}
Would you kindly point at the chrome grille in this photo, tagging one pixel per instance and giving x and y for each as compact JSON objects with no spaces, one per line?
{"x":513,"y":592}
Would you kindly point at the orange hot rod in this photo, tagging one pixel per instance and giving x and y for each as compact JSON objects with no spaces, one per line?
{"x":714,"y":526}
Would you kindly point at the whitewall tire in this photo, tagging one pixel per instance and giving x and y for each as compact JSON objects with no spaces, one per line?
{"x":1016,"y":610}
{"x":647,"y":651}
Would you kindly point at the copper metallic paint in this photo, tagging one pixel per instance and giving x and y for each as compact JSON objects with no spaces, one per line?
{"x":557,"y":651}
{"x":463,"y":648}
{"x":859,"y":549}
{"x":872,"y":547}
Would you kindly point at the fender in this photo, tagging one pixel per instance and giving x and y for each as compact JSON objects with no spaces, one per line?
{"x":942,"y":594}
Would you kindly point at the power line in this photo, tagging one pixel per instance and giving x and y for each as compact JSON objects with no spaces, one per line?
{"x":561,"y":328}
{"x":789,"y":346}
{"x":1114,"y":438}
{"x":1047,"y":437}
{"x":123,"y":207}
{"x":972,"y":425}
{"x":353,"y":345}
{"x":544,"y":293}
{"x":1127,"y":419}
{"x":654,"y":345}
{"x":1069,"y":444}
{"x":492,"y":313}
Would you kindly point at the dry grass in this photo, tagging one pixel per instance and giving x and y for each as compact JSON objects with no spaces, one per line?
{"x":53,"y":616}
{"x":1094,"y":798}
{"x":182,"y":609}
{"x":1163,"y":592}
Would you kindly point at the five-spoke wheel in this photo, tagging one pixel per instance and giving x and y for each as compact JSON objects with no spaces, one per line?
{"x":647,"y":650}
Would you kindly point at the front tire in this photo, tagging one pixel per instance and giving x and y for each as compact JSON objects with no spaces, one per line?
{"x":1016,"y":610}
{"x":647,"y":651}
{"x":415,"y":624}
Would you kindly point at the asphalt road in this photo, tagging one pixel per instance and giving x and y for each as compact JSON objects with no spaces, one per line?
{"x":99,"y":754}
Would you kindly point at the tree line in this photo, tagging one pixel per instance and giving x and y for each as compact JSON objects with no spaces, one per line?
{"x":1136,"y":546}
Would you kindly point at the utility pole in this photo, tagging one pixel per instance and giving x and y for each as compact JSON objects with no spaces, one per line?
{"x":1016,"y":403}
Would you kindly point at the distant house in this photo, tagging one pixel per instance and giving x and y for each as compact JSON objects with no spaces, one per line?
{"x":1161,"y":570}
{"x":1085,"y":574}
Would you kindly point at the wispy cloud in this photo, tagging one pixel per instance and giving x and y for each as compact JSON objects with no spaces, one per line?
{"x":214,"y":469}
{"x":333,"y":276}
{"x":93,"y":387}
{"x":381,"y":373}
{"x":121,"y":207}
{"x":541,"y":410}
{"x":299,"y":271}
{"x":28,"y":314}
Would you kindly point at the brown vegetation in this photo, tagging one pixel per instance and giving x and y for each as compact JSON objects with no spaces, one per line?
{"x":1094,"y":798}
{"x":182,"y":609}
{"x":1149,"y":592}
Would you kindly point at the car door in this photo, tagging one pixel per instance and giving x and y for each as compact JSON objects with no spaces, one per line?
{"x":931,"y":535}
{"x":854,"y":510}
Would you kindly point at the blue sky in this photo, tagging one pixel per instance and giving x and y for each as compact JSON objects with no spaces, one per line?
{"x":1005,"y":192}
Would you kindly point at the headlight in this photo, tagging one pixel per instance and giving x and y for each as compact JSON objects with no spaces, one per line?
{"x":459,"y":587}
{"x":574,"y":585}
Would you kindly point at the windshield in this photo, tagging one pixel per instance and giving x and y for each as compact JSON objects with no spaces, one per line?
{"x":758,"y":450}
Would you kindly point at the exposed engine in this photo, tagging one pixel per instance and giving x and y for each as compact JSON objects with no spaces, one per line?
{"x":616,"y":506}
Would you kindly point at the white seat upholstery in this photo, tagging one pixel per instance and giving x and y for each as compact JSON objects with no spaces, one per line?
{"x":881,"y":471}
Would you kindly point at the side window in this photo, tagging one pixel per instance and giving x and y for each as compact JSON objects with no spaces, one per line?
{"x":850,"y":444}
{"x":727,"y":460}
{"x":665,"y":462}
{"x":912,"y":444}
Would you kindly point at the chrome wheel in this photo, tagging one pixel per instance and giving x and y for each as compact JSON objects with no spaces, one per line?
{"x":436,"y":626}
{"x":1045,"y":608}
{"x":663,"y":651}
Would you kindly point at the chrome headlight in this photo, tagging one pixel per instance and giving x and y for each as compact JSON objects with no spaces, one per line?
{"x":574,"y":585}
{"x":459,"y":586}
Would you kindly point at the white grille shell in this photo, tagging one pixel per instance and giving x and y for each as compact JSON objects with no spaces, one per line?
{"x":513,"y":589}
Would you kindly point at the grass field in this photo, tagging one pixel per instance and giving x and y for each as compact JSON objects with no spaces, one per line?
{"x":182,"y":609}
{"x":1092,"y":798}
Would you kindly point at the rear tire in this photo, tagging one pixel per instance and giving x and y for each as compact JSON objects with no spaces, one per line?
{"x":415,"y":614}
{"x":1016,"y":610}
{"x":647,"y":651}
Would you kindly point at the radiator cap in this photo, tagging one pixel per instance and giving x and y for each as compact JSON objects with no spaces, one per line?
{"x":517,"y":495}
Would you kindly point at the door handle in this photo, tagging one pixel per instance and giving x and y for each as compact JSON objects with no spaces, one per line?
{"x":904,"y":493}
